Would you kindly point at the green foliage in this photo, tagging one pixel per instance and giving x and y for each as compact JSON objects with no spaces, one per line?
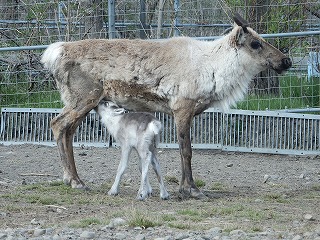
{"x":294,"y":93}
{"x":217,"y":186}
{"x":139,"y":219}
{"x":87,"y":222}
{"x":199,"y":183}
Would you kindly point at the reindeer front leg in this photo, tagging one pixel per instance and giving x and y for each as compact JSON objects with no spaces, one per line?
{"x":183,"y":118}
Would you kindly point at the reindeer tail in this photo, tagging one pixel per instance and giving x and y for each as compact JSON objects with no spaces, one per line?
{"x":51,"y":56}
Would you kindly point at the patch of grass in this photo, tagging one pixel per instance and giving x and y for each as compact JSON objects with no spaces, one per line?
{"x":217,"y":186}
{"x":179,"y":225}
{"x":12,"y":196}
{"x":276,"y":197}
{"x":256,"y":229}
{"x":189,"y":212}
{"x":294,"y":92}
{"x":194,"y":215}
{"x":87,"y":222}
{"x":171,"y":179}
{"x":139,"y":219}
{"x":230,"y":210}
{"x":241,"y":211}
{"x":168,"y":218}
{"x":315,"y":187}
{"x":199,"y":183}
{"x":56,"y":183}
{"x":14,"y":208}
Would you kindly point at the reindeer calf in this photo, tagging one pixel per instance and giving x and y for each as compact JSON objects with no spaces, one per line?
{"x":133,"y":130}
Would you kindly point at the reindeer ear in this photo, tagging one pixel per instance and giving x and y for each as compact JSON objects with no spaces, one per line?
{"x":237,"y":37}
{"x":240,"y":36}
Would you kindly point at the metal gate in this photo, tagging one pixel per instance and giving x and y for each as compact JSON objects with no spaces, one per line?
{"x":237,"y":130}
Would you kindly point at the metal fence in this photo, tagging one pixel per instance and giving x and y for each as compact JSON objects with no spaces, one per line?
{"x":237,"y":130}
{"x":26,"y":27}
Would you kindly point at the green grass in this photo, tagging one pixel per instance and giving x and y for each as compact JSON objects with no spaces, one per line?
{"x":199,"y":183}
{"x":141,"y":219}
{"x":217,"y":186}
{"x":293,"y":93}
{"x":87,"y":222}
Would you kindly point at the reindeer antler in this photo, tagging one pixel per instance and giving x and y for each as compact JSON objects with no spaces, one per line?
{"x":240,"y":21}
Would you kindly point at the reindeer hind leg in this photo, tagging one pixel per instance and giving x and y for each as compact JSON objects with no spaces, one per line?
{"x":64,"y":126}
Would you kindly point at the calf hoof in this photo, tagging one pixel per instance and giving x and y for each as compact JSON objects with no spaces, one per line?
{"x":165,"y":196}
{"x":112,"y":193}
{"x":141,"y":196}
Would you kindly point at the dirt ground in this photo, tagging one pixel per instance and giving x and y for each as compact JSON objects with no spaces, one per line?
{"x":245,"y":190}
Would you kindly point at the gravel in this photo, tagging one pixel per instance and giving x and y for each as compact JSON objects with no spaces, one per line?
{"x":286,"y":186}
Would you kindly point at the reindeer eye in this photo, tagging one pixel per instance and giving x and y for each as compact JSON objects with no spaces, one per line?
{"x":255,"y":44}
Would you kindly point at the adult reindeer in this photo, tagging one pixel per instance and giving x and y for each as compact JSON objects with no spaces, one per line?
{"x":179,"y":76}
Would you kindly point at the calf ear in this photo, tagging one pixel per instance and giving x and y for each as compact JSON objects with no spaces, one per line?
{"x":119,"y":111}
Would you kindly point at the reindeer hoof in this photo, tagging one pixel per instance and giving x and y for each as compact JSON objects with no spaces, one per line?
{"x":75,"y":183}
{"x":192,"y":193}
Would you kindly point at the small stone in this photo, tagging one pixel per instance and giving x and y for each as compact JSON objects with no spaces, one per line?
{"x":39,"y":232}
{"x":302,"y":176}
{"x":116,"y":222}
{"x":297,"y":237}
{"x":34,"y":222}
{"x":140,"y":237}
{"x":120,"y":236}
{"x":308,"y":217}
{"x":56,"y":237}
{"x":3,"y":214}
{"x":230,"y":165}
{"x":237,"y":232}
{"x":213,"y":232}
{"x":266,"y":178}
{"x":3,"y":236}
{"x":87,"y":235}
{"x":182,"y":236}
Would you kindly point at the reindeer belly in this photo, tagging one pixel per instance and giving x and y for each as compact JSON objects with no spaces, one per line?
{"x":134,"y":97}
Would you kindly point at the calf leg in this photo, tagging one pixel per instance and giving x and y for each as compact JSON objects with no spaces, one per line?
{"x":64,"y":126}
{"x":156,"y":167}
{"x":145,"y":187}
{"x":125,"y":153}
{"x":183,"y":118}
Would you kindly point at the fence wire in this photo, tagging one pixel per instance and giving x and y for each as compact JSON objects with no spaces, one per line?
{"x":23,"y":83}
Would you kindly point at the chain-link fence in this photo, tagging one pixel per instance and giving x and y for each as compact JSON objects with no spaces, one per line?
{"x":292,"y":26}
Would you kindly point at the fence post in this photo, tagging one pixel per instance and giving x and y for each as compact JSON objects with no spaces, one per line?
{"x":111,"y":19}
{"x":176,"y":19}
{"x":143,"y":29}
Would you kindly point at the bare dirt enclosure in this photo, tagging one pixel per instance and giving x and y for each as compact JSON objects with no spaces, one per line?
{"x":251,"y":192}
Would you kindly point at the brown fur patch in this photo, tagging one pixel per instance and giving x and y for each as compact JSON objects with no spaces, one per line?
{"x":134,"y":96}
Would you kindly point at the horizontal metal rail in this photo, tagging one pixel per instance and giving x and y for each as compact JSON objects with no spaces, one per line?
{"x":275,"y":132}
{"x":273,"y":35}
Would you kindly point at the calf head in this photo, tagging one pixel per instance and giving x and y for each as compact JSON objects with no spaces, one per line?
{"x":257,"y":53}
{"x":108,"y":108}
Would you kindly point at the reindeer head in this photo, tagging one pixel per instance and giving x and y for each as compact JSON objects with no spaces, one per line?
{"x":108,"y":108}
{"x":258,"y":53}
